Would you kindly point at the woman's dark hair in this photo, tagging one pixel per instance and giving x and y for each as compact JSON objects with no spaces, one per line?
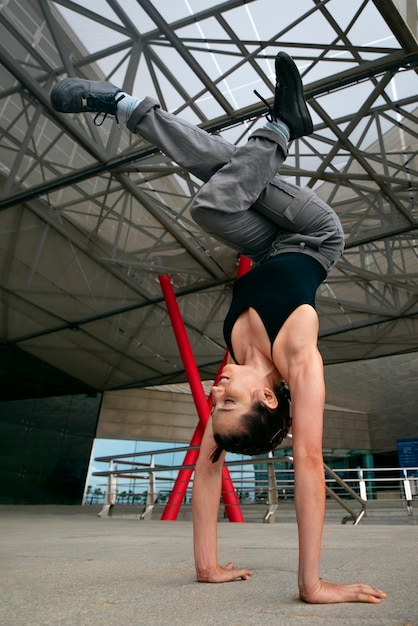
{"x":263,"y":429}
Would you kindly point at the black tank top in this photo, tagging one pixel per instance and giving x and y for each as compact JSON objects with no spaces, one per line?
{"x":274,"y":289}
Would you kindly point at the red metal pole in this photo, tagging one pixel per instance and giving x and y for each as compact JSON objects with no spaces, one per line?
{"x":244,"y":266}
{"x":179,"y":491}
{"x":185,"y":349}
{"x":203,"y":407}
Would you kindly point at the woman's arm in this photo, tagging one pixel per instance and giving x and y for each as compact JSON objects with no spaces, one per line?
{"x":301,"y":365}
{"x":205,"y":506}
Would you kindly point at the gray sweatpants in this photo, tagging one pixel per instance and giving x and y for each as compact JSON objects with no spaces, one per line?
{"x":243,"y":202}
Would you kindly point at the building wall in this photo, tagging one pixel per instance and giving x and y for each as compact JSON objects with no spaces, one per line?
{"x":45,"y":447}
{"x":147,"y":415}
{"x":345,"y":429}
{"x":150,"y":415}
{"x":386,"y":389}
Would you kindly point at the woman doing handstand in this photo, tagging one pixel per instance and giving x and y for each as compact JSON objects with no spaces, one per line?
{"x":271,"y":329}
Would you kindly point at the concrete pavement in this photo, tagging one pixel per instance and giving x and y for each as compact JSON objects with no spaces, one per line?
{"x":66,"y":566}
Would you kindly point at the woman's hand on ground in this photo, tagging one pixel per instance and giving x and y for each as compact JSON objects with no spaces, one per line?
{"x":224,"y":574}
{"x":327,"y":593}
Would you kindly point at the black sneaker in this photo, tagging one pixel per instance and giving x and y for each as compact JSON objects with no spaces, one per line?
{"x":289,"y":101}
{"x":76,"y":95}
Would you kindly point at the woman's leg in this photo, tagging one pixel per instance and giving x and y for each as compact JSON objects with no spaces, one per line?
{"x":189,"y":146}
{"x":304,"y":222}
{"x":243,"y":203}
{"x":234,"y":177}
{"x":223,"y":207}
{"x":227,"y":212}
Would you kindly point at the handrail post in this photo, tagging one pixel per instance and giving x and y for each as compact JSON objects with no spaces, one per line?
{"x":362,"y":484}
{"x":407,"y":491}
{"x":355,"y":517}
{"x":111,"y":491}
{"x":151,"y":493}
{"x":272,"y":498}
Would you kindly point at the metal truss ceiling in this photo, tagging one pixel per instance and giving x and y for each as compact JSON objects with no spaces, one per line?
{"x":90,"y":217}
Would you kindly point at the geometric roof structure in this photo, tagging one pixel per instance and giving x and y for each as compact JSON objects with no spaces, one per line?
{"x":91,"y":217}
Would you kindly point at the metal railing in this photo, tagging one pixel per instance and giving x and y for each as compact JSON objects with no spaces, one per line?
{"x":351,"y":489}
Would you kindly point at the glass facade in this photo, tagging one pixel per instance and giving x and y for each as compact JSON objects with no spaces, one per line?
{"x":45,"y":446}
